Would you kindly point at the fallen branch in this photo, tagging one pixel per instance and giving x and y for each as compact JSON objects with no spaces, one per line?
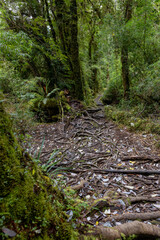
{"x":135,"y":216}
{"x":92,"y":119}
{"x":100,"y":171}
{"x":137,"y":228}
{"x":140,"y":158}
{"x":144,"y":199}
{"x":93,"y":110}
{"x":142,"y":172}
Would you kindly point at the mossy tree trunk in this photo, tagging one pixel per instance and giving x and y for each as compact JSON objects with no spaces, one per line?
{"x":93,"y":58}
{"x":29,"y":204}
{"x":124,"y":52}
{"x":67,"y":22}
{"x":77,"y":76}
{"x":125,"y":71}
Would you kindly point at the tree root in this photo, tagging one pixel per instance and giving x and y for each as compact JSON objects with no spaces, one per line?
{"x":142,"y":172}
{"x":143,"y":199}
{"x":79,"y":186}
{"x":137,"y":228}
{"x":140,"y":158}
{"x":135,"y":216}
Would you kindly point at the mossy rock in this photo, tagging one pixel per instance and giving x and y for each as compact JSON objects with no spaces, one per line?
{"x":49,"y":109}
{"x":45,"y":108}
{"x":30,"y":205}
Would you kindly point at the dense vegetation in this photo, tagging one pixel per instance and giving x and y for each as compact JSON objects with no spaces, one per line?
{"x":82,"y":46}
{"x":54,"y":50}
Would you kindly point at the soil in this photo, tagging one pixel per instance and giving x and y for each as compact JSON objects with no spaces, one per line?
{"x":77,"y":151}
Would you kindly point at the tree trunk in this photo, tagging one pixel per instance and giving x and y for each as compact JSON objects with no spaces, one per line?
{"x":93,"y":58}
{"x":125,"y":71}
{"x":74,"y":54}
{"x":124,"y":52}
{"x":67,"y":22}
{"x":95,"y":69}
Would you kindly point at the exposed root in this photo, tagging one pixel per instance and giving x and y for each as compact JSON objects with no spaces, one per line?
{"x":143,"y":199}
{"x":79,"y":186}
{"x":135,"y":216}
{"x":137,"y":228}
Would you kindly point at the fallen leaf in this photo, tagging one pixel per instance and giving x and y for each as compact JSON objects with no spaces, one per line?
{"x":59,"y":175}
{"x":107,"y":212}
{"x":107,"y":224}
{"x":157,"y":205}
{"x":129,"y":187}
{"x":8,"y":232}
{"x":120,"y":164}
{"x":132,"y":162}
{"x":88,"y":197}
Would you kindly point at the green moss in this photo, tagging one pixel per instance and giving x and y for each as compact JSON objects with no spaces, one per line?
{"x":134,"y":123}
{"x":28,"y":202}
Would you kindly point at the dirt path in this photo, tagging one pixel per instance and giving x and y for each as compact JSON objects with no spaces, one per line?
{"x":83,"y":147}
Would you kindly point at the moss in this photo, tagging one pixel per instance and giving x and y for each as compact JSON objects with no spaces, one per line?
{"x":49,"y":109}
{"x":134,"y":123}
{"x":28,"y":202}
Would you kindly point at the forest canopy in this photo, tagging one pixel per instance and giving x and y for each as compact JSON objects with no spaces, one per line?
{"x":84,"y":45}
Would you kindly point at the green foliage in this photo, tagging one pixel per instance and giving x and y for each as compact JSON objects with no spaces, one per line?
{"x":130,"y":119}
{"x":128,"y":238}
{"x":54,"y":159}
{"x":18,"y":49}
{"x":10,"y":81}
{"x":114,"y":92}
{"x":149,"y":88}
{"x":75,"y":204}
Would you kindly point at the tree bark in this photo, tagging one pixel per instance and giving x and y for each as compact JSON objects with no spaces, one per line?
{"x":124,"y":52}
{"x":125,"y":71}
{"x":74,"y":54}
{"x":93,"y":58}
{"x":67,"y":22}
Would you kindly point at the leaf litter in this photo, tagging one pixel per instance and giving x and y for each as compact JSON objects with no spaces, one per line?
{"x":84,"y":146}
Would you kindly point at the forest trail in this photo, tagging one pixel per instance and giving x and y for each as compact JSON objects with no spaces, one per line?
{"x":85,"y":146}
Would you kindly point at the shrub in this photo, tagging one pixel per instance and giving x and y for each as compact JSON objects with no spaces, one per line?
{"x":114,"y":92}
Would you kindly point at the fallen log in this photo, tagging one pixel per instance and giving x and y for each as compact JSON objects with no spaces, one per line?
{"x":137,"y":228}
{"x":135,"y":216}
{"x":143,"y":199}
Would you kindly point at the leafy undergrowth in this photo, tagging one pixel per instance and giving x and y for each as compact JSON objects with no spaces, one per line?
{"x":129,"y":119}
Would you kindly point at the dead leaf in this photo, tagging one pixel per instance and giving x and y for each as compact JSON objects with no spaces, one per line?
{"x":8,"y":232}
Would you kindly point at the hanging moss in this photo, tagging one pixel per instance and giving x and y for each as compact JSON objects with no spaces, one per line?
{"x":29,"y":204}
